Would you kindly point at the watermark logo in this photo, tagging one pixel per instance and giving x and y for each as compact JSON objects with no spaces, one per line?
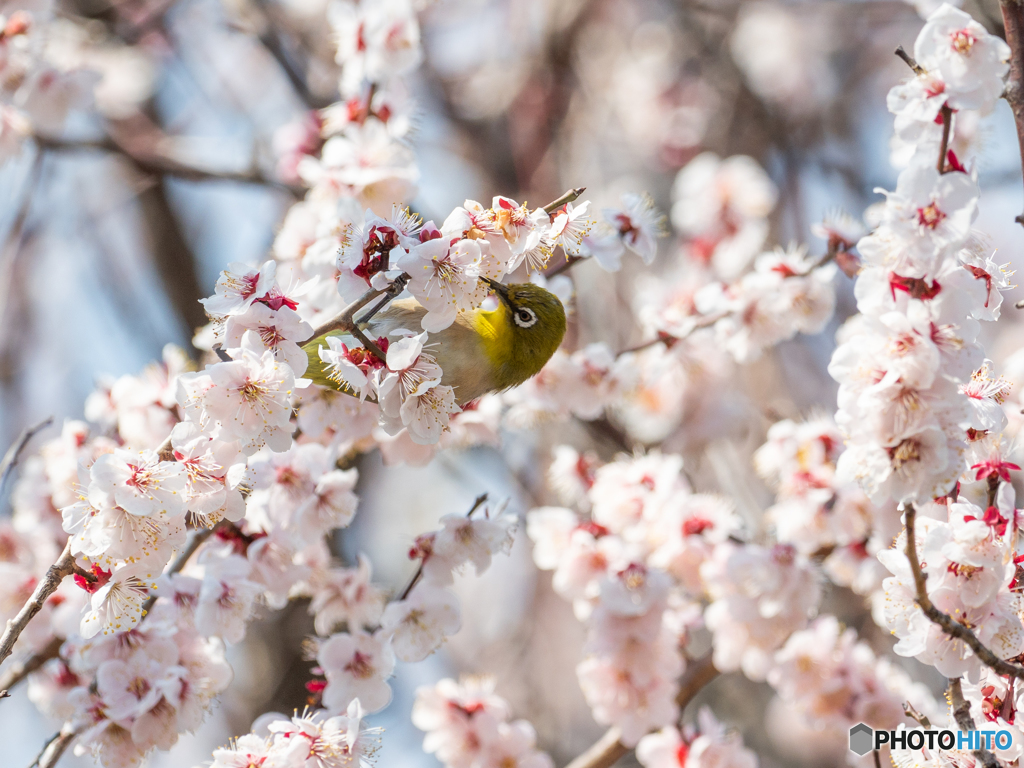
{"x":863,"y":739}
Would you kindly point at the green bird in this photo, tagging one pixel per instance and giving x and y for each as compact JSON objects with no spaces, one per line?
{"x":482,"y":351}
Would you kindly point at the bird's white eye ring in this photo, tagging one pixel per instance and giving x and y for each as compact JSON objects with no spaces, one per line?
{"x":524,"y":317}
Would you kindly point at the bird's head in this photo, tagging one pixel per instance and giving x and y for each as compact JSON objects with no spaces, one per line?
{"x":524,"y":331}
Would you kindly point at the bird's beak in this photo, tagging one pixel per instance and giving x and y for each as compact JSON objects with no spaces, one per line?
{"x":498,"y":288}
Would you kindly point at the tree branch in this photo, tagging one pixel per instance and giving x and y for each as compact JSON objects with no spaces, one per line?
{"x":18,"y":672}
{"x":1013,"y":22}
{"x":160,"y":161}
{"x":47,"y":586}
{"x":571,"y":196}
{"x":949,"y":626}
{"x":608,"y":749}
{"x":10,"y":458}
{"x":55,"y":747}
{"x":962,"y":715}
{"x":419,"y":571}
{"x":195,"y":540}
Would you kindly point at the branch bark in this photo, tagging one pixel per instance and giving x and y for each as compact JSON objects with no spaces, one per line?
{"x":608,"y":749}
{"x":11,"y":457}
{"x":54,"y":749}
{"x":18,"y":672}
{"x":962,"y":715}
{"x":159,"y":161}
{"x":1013,"y":22}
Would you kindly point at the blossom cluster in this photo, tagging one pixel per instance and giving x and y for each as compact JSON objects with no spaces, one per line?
{"x":710,"y":744}
{"x":357,"y":663}
{"x":970,"y":570}
{"x":927,"y":281}
{"x":815,"y":513}
{"x":468,"y":725}
{"x":309,"y":738}
{"x":921,"y":410}
{"x":632,"y":567}
{"x":835,"y":681}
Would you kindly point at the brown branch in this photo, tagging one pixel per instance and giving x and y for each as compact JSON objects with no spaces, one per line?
{"x":949,"y":626}
{"x":10,"y":458}
{"x":565,"y":266}
{"x":55,"y":748}
{"x":345,"y":321}
{"x":705,"y":321}
{"x":18,"y":672}
{"x":1013,"y":22}
{"x":419,"y":571}
{"x":569,"y":197}
{"x":910,"y":61}
{"x":910,"y":711}
{"x":962,"y":715}
{"x":47,"y":586}
{"x":947,"y":123}
{"x":159,"y":161}
{"x":195,"y":540}
{"x":608,"y":749}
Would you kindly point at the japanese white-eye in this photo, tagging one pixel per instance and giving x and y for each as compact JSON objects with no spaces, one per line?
{"x":483,"y":350}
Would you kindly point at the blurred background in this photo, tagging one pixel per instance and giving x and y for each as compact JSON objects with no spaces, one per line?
{"x":159,"y":147}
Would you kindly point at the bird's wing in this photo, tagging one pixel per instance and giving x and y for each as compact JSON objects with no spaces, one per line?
{"x":458,"y":349}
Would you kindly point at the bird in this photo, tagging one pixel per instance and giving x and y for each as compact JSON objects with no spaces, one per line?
{"x":483,"y":351}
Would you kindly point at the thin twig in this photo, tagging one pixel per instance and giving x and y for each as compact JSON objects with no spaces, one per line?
{"x":608,"y":749}
{"x":345,"y":321}
{"x":419,"y":571}
{"x":878,"y":762}
{"x":56,"y":747}
{"x":962,"y":715}
{"x":157,"y":161}
{"x":571,"y":196}
{"x":949,"y":626}
{"x":565,"y":266}
{"x":947,"y":122}
{"x":18,"y":672}
{"x":910,"y":711}
{"x":911,"y":62}
{"x":705,"y":321}
{"x":1013,"y":23}
{"x":10,"y":458}
{"x":195,"y":540}
{"x":47,"y":586}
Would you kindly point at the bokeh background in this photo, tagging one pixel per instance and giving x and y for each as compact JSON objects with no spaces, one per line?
{"x":117,"y":213}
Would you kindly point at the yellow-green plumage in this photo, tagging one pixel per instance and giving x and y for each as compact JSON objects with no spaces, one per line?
{"x":482,"y":351}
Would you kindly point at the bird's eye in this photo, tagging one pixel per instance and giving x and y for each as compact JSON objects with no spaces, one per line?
{"x":524,"y":317}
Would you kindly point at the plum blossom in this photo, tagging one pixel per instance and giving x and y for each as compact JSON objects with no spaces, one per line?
{"x":970,"y":61}
{"x":346,"y":595}
{"x":115,"y":603}
{"x":247,"y":399}
{"x":420,"y":623}
{"x":445,"y":278}
{"x":467,"y":724}
{"x":357,"y":666}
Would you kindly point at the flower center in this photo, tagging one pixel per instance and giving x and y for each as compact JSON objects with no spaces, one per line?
{"x":930,"y":216}
{"x":962,"y":41}
{"x":138,"y":687}
{"x":360,"y":666}
{"x":905,"y":452}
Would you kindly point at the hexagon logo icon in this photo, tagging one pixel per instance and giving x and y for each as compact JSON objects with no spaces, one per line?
{"x":861,"y":738}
